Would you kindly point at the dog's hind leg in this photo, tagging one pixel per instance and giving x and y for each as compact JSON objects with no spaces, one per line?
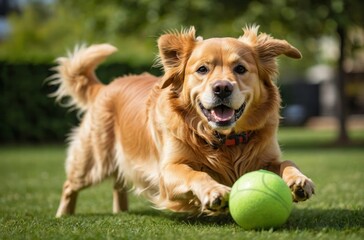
{"x":87,"y":164}
{"x":79,"y":164}
{"x":120,"y":196}
{"x":67,"y":205}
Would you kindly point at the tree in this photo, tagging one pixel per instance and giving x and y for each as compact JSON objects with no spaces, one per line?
{"x":345,"y":15}
{"x":133,"y":26}
{"x":310,"y":18}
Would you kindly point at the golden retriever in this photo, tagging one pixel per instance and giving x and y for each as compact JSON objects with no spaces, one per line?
{"x":184,"y":138}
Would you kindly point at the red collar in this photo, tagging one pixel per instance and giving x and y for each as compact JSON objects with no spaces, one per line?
{"x":235,"y":139}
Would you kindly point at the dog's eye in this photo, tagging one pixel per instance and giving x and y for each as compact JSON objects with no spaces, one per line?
{"x":240,"y":69}
{"x":202,"y":70}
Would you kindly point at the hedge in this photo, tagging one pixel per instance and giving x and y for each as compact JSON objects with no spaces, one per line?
{"x":28,"y":115}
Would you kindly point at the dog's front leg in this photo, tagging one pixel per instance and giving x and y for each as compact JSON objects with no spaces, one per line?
{"x":184,"y":185}
{"x":301,"y":186}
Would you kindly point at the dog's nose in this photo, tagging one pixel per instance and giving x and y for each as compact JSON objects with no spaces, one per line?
{"x":222,"y":89}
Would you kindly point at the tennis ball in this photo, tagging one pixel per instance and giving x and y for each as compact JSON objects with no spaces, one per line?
{"x":260,"y":200}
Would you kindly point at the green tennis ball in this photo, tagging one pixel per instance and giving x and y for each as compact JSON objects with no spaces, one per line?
{"x":260,"y":200}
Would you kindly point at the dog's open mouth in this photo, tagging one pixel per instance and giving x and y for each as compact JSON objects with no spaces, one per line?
{"x":222,"y":115}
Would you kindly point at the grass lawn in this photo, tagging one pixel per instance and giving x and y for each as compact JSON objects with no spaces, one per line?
{"x":31,"y":178}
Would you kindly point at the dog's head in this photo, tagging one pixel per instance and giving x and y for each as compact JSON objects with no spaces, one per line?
{"x":228,"y":82}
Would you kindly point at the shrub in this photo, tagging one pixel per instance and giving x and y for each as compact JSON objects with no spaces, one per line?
{"x":27,"y":114}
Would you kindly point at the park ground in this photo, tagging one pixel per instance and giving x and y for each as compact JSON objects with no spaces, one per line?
{"x":31,"y":178}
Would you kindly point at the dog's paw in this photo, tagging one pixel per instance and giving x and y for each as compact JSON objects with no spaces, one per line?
{"x":301,"y":186}
{"x":216,"y":200}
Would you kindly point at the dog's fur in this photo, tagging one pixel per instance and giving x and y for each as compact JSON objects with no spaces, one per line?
{"x":165,"y":135}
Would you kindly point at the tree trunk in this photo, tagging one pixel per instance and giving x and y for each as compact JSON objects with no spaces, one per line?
{"x":343,"y":137}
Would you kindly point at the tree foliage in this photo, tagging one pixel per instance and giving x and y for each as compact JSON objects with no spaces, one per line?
{"x":42,"y":31}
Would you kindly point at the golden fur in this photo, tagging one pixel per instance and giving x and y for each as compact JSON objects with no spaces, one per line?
{"x":162,"y":135}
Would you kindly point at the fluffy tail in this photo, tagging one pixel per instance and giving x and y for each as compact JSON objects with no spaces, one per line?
{"x":78,"y":84}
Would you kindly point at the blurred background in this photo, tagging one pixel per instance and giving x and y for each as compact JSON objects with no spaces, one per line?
{"x":323,"y":90}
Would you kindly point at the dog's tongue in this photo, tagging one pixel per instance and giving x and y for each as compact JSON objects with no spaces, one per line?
{"x":222,"y":113}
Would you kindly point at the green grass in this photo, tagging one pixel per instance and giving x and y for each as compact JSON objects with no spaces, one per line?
{"x":31,"y":178}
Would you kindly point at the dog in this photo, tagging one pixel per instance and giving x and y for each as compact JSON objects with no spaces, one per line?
{"x":184,"y":138}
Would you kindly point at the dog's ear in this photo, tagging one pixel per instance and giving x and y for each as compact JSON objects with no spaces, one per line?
{"x":174,"y":51}
{"x":267,"y":48}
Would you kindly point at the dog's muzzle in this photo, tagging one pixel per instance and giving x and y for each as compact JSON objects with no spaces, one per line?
{"x":222,"y":115}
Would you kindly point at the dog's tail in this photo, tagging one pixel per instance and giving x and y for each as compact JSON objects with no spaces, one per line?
{"x":75,"y":75}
